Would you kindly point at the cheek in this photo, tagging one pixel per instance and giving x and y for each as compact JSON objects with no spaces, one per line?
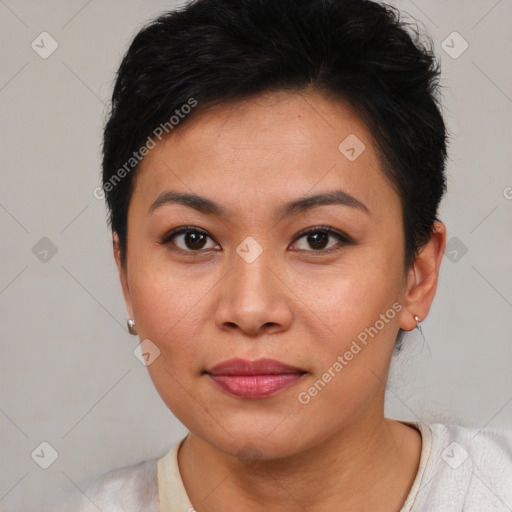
{"x":351,"y":355}
{"x":173,"y":310}
{"x":165,"y":299}
{"x":359,"y":321}
{"x":349,"y":299}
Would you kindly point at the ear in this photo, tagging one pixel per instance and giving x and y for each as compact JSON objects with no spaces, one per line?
{"x":422,"y":279}
{"x":123,"y":275}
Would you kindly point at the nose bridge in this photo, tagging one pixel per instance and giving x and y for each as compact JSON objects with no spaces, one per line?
{"x":251,"y":273}
{"x":251,"y":296}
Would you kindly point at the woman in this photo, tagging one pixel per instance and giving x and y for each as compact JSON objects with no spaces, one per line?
{"x":273,"y":172}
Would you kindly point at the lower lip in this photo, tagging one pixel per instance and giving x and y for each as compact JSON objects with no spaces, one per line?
{"x":255,"y":386}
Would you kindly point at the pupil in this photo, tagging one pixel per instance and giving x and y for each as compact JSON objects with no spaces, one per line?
{"x":317,"y":240}
{"x":194,"y":238}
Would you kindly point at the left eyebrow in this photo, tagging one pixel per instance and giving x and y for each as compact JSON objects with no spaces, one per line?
{"x":339,"y":197}
{"x":209,"y":207}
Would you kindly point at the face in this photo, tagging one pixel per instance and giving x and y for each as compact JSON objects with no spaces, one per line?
{"x":253,"y":279}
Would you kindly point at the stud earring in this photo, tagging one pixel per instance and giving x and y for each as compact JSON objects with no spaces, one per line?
{"x":131,"y":326}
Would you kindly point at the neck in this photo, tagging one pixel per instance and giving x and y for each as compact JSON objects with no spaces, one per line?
{"x":381,"y":456}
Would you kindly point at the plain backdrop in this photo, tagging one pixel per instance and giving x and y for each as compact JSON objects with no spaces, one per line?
{"x":69,"y":377}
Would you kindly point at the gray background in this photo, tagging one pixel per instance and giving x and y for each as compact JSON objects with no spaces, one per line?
{"x":69,"y":376}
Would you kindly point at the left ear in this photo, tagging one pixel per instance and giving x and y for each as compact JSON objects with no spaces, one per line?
{"x":422,"y":279}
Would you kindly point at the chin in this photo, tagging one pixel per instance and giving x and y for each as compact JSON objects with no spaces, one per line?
{"x":251,"y":442}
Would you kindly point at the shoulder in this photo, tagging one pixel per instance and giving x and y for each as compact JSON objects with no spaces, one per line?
{"x":468,"y":468}
{"x":127,"y":489}
{"x":487,"y":448}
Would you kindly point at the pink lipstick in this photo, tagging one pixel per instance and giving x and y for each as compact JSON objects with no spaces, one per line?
{"x":254,"y":379}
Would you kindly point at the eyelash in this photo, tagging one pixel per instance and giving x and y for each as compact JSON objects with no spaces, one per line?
{"x":344,"y":239}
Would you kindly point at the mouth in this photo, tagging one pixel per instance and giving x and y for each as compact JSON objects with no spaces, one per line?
{"x":254,"y":379}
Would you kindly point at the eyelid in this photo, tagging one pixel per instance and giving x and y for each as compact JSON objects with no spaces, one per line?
{"x":326,"y":229}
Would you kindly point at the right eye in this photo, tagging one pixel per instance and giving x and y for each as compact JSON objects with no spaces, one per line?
{"x":191,"y":238}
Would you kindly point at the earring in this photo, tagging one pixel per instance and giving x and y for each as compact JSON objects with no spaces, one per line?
{"x":418,"y":326}
{"x":131,"y":326}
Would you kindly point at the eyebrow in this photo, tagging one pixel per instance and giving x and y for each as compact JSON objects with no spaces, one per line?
{"x":209,"y":207}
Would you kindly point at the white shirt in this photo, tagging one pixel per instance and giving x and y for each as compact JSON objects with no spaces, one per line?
{"x":461,"y":469}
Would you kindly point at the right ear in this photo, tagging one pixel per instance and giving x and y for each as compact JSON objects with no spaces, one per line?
{"x":123,"y":275}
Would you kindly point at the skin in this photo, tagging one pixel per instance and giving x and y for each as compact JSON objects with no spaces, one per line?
{"x":293,"y":304}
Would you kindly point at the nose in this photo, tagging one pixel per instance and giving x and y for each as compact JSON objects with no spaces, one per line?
{"x":253,"y":299}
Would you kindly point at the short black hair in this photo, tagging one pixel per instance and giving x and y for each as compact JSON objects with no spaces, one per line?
{"x":213,"y":51}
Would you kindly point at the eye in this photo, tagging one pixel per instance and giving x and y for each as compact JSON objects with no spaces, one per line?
{"x":318,"y":237}
{"x":192,"y":239}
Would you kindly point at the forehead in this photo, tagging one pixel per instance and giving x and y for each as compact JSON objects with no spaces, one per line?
{"x":271,"y":147}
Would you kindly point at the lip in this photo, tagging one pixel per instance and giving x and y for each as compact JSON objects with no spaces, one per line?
{"x":254,"y":379}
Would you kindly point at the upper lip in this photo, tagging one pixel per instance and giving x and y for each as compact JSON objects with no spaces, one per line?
{"x":260,"y":367}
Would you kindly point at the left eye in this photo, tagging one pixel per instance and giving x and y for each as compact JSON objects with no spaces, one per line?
{"x":318,"y":237}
